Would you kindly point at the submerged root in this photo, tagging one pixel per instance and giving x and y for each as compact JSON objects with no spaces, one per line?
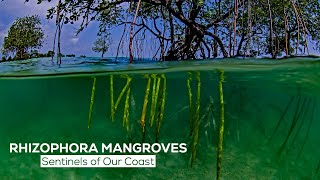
{"x":221,"y":129}
{"x":129,"y":79}
{"x":144,"y":109}
{"x":115,"y":107}
{"x":162,"y":102}
{"x":208,"y":111}
{"x":308,"y":129}
{"x":190,"y":102}
{"x":196,"y":124}
{"x":154,"y":84}
{"x":296,"y":117}
{"x":111,"y":97}
{"x":92,"y":101}
{"x":282,"y":118}
{"x":126,"y":111}
{"x":155,"y":94}
{"x":302,"y":122}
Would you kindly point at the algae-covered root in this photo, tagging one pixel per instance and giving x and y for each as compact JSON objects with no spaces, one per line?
{"x":126,"y":110}
{"x":162,"y":103}
{"x":111,"y":97}
{"x":155,"y":94}
{"x":144,"y":108}
{"x":115,"y":107}
{"x":196,"y":123}
{"x":221,"y":128}
{"x":92,"y":100}
{"x":190,"y":101}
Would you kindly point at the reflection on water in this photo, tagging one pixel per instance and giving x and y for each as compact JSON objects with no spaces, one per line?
{"x":241,"y":120}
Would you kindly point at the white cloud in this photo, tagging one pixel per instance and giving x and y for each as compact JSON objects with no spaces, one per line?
{"x":74,"y":40}
{"x":18,"y":8}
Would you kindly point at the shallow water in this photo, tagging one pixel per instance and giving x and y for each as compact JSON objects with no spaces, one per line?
{"x":271,"y":116}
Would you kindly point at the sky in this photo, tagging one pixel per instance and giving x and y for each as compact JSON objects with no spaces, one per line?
{"x":70,"y":43}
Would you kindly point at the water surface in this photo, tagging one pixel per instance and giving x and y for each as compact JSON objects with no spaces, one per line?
{"x":271,"y":115}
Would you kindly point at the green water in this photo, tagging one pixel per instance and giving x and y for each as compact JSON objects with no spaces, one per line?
{"x":271,"y":115}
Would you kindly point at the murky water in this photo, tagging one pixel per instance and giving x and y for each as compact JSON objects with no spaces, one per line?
{"x":271,"y":116}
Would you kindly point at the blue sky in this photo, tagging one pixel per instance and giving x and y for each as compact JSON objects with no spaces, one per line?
{"x":70,"y":44}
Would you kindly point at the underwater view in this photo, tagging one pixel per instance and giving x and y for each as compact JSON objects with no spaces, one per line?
{"x":240,"y":119}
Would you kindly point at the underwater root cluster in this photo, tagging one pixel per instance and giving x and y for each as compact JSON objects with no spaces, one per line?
{"x":194,"y":115}
{"x":156,"y":87}
{"x":194,"y":110}
{"x":157,"y":93}
{"x":158,"y":99}
{"x":304,"y":109}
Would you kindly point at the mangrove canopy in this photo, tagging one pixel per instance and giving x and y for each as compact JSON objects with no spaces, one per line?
{"x":197,"y":29}
{"x":24,"y":37}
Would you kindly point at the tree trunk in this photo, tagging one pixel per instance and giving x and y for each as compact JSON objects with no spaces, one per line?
{"x":271,"y":33}
{"x":171,"y":32}
{"x":59,"y":48}
{"x":240,"y":45}
{"x":54,"y":44}
{"x":289,"y":45}
{"x":58,"y":24}
{"x":230,"y":41}
{"x":215,"y":44}
{"x":131,"y":31}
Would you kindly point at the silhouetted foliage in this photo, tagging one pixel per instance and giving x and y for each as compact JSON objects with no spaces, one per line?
{"x":102,"y":43}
